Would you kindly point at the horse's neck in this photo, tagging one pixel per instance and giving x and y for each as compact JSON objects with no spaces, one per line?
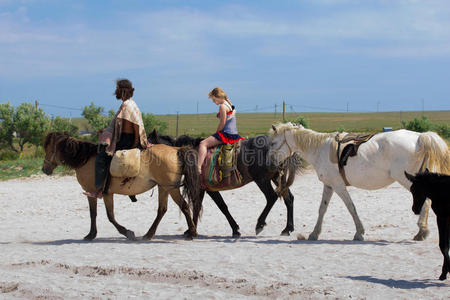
{"x":310,"y":143}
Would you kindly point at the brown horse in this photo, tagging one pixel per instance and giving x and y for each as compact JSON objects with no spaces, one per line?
{"x":160,"y":165}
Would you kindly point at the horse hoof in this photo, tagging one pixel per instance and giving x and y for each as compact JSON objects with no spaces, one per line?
{"x":285,"y":233}
{"x":313,"y":237}
{"x":147,"y":237}
{"x":421,"y":236}
{"x":90,"y":237}
{"x":443,"y":277}
{"x":236,"y":235}
{"x":300,"y":237}
{"x":130,"y":235}
{"x":358,"y":237}
{"x":188,"y":237}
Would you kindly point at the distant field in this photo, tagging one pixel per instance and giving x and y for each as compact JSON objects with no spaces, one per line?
{"x":250,"y":124}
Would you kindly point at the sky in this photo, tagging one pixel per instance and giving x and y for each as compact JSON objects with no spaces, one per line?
{"x":316,"y":55}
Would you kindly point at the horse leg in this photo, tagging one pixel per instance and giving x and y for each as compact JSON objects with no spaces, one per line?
{"x":444,"y":240}
{"x":345,"y":196}
{"x":217,"y":198}
{"x":289,"y":202}
{"x":326,"y":196}
{"x":109,"y":205}
{"x":266,"y":187}
{"x":163,"y":195}
{"x":423,"y":221}
{"x":184,"y":206}
{"x":93,"y":213}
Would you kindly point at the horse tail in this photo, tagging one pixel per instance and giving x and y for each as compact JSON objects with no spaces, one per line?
{"x":434,"y":153}
{"x":292,"y":166}
{"x":191,"y":181}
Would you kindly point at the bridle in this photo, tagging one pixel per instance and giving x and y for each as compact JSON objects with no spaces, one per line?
{"x":50,"y":161}
{"x":287,"y":144}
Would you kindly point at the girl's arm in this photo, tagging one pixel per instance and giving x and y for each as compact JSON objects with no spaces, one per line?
{"x":222,"y":117}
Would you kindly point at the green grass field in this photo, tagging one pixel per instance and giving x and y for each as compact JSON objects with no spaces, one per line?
{"x":250,"y":124}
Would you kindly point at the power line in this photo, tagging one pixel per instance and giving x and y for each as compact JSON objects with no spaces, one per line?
{"x":61,"y":107}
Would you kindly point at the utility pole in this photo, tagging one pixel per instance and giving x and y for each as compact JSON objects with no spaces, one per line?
{"x":347,"y":106}
{"x":275,"y":112}
{"x":177,"y":126}
{"x":197,"y":110}
{"x":36,"y":104}
{"x":284,"y":111}
{"x":378,"y":106}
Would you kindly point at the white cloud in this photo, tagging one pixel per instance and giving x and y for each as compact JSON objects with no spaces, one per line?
{"x":192,"y":38}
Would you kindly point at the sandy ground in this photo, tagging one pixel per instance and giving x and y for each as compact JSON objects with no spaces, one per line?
{"x":43,"y":255}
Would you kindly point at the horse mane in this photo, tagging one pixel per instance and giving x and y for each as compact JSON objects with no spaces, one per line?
{"x":304,"y":138}
{"x":432,"y":178}
{"x":73,"y":152}
{"x":185,"y":140}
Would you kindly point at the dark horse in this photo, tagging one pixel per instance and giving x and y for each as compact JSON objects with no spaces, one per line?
{"x":254,"y":165}
{"x":437,"y":188}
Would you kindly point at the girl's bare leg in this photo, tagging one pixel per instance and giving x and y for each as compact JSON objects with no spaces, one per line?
{"x":203,"y":148}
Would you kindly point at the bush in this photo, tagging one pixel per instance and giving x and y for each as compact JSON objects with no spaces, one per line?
{"x":300,"y":120}
{"x":9,"y":155}
{"x":423,"y":124}
{"x":443,"y":130}
{"x":419,"y":125}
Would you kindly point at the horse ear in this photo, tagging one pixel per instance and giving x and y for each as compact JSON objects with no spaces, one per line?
{"x":409,"y":177}
{"x":274,"y":128}
{"x":427,"y":171}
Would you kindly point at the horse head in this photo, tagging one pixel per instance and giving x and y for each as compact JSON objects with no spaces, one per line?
{"x":282,"y":144}
{"x":51,"y":153}
{"x":418,"y":191}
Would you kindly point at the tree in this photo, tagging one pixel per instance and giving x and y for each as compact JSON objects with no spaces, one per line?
{"x":30,"y":124}
{"x":151,"y":122}
{"x":63,"y":125}
{"x":6,"y":126}
{"x":97,"y":121}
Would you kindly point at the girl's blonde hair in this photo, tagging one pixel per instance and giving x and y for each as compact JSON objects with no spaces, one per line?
{"x":219,"y":93}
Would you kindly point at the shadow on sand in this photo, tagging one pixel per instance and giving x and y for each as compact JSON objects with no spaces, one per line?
{"x":280,"y":241}
{"x":399,"y":284}
{"x":159,"y":239}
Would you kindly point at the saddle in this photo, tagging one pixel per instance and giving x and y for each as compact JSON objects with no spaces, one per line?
{"x":219,"y":170}
{"x":344,"y":146}
{"x":126,"y":163}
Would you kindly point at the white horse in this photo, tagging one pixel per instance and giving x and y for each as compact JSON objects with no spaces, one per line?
{"x":379,"y":162}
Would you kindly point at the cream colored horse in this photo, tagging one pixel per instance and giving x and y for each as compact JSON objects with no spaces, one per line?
{"x":379,"y":162}
{"x":161,"y":165}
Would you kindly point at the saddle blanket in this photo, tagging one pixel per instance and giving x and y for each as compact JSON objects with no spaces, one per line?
{"x":219,"y":170}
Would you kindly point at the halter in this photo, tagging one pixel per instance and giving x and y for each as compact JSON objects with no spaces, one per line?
{"x":52,"y":157}
{"x":287,"y":144}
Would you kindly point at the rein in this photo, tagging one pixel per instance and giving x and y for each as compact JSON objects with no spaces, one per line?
{"x":287,"y":144}
{"x":50,"y":161}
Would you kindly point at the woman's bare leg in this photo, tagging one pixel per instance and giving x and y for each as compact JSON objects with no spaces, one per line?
{"x":203,"y":148}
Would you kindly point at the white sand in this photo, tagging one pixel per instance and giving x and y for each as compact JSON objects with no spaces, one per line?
{"x":42,"y":254}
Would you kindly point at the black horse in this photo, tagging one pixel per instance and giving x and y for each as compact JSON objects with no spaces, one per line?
{"x":254,"y":165}
{"x":437,"y":188}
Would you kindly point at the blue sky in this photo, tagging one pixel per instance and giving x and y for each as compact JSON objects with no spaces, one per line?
{"x":317,"y":55}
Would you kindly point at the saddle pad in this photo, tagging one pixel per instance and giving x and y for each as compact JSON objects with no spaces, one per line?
{"x":126,"y":163}
{"x":341,"y":141}
{"x":219,"y":170}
